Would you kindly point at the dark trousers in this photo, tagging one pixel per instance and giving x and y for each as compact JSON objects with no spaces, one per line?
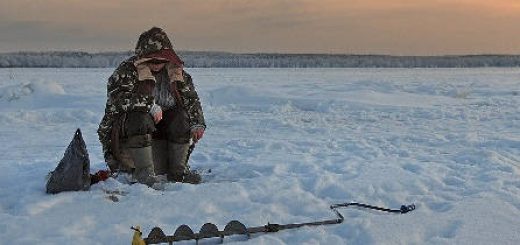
{"x":170,"y":139}
{"x":174,"y":127}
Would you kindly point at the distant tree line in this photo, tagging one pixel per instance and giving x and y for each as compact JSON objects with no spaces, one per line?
{"x":260,"y":60}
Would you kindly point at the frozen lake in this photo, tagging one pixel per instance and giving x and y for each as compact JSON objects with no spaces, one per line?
{"x":283,"y":144}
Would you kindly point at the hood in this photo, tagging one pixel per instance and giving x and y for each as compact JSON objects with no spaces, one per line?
{"x":154,"y":43}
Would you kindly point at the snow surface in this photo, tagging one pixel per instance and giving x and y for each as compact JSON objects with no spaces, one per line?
{"x":283,"y":144}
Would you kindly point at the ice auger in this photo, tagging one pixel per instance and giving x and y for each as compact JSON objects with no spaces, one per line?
{"x":209,"y":230}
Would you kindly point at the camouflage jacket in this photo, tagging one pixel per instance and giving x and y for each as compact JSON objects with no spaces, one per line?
{"x":124,"y":95}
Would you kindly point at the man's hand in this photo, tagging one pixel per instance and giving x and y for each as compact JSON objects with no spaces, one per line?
{"x":157,"y":117}
{"x":156,"y":113}
{"x":196,"y":134}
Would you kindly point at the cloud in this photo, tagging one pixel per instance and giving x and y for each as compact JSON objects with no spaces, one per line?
{"x":41,"y":35}
{"x":22,"y":31}
{"x":389,"y":26}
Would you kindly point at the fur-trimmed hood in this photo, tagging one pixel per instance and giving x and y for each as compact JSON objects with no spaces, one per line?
{"x":155,"y":43}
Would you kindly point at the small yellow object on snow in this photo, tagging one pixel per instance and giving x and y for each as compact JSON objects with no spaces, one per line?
{"x":137,"y":240}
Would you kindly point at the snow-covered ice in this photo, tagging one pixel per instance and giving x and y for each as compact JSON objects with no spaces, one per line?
{"x":283,"y":144}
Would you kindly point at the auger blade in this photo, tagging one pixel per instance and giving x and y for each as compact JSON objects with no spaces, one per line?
{"x":235,"y":228}
{"x":182,"y":233}
{"x":209,"y":230}
{"x":156,"y":236}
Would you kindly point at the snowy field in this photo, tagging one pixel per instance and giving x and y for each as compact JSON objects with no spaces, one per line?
{"x":283,"y":144}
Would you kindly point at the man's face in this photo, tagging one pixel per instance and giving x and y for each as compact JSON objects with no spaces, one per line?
{"x":156,"y":67}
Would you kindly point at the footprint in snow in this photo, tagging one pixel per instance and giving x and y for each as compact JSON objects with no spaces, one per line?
{"x":414,"y":168}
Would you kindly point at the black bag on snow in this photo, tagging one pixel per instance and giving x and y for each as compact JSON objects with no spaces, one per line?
{"x":73,"y":171}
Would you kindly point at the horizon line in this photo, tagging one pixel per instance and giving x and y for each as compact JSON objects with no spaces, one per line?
{"x":261,"y":53}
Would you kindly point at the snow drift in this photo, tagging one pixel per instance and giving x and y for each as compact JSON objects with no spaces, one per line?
{"x":283,"y":144}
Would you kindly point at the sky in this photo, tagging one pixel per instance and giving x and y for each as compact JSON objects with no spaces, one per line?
{"x":395,"y":27}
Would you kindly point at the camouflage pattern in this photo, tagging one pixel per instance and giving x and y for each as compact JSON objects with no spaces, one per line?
{"x":124,"y":96}
{"x":190,"y":101}
{"x":152,"y":41}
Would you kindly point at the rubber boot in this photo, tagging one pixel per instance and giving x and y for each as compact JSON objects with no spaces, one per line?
{"x":179,"y":169}
{"x":192,"y":177}
{"x":160,"y":156}
{"x":126,"y":163}
{"x":143,"y":161}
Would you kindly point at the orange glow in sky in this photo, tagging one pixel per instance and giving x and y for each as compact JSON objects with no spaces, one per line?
{"x":399,"y":27}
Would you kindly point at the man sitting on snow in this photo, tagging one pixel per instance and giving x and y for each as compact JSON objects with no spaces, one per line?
{"x":153,"y":116}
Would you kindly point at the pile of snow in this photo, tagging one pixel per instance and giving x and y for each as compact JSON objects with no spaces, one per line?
{"x":46,"y":97}
{"x":282,"y":144}
{"x":40,"y":89}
